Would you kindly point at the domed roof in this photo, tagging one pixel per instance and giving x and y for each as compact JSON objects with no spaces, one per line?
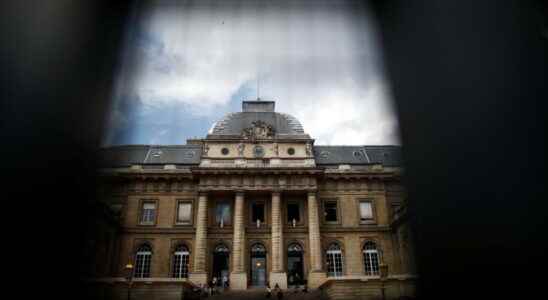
{"x":254,"y":113}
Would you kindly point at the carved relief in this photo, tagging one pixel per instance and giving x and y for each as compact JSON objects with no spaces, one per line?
{"x":259,"y":130}
{"x":276,"y":149}
{"x":206,"y":149}
{"x":308,"y":149}
{"x":241,"y":148}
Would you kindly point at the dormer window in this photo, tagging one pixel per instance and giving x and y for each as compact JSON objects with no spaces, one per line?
{"x":157,"y":153}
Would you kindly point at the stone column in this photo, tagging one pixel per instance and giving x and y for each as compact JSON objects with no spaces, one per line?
{"x":238,"y":276}
{"x":198,"y":274}
{"x":277,"y":274}
{"x":316,"y":276}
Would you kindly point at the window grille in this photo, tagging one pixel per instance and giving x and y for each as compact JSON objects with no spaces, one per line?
{"x":142,"y":262}
{"x":221,"y":248}
{"x":294,"y":248}
{"x":180,"y":262}
{"x":258,"y":248}
{"x":334,"y":261}
{"x":148,"y":212}
{"x":371,"y":259}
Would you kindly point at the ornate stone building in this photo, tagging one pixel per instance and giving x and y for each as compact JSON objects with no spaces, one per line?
{"x":255,"y":201}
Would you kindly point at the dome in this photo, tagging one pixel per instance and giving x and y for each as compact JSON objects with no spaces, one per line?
{"x":258,"y":112}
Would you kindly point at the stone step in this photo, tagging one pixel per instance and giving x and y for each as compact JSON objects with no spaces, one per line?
{"x":260,"y":294}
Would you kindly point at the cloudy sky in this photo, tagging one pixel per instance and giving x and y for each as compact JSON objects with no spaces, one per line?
{"x":187,"y":63}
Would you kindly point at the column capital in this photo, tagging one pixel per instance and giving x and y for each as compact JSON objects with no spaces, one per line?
{"x":312,"y":193}
{"x":276,"y":193}
{"x":202,"y":194}
{"x":239,"y":193}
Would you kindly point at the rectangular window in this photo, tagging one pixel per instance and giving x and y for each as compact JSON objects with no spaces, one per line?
{"x":148,"y":213}
{"x":257,"y":212}
{"x":366,"y":211}
{"x":293,"y":213}
{"x":330,"y":211}
{"x":184,"y":213}
{"x":222,"y":214}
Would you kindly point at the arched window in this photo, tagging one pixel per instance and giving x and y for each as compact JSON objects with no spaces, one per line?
{"x":258,"y":248}
{"x":142,"y":261}
{"x":334,"y":260}
{"x":180,"y":262}
{"x":221,"y":248}
{"x":295,"y":268}
{"x":371,"y":258}
{"x":294,"y":248}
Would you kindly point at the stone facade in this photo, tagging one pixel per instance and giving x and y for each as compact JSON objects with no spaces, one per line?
{"x":272,"y":175}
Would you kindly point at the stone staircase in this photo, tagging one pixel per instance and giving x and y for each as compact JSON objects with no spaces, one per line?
{"x":259,"y":294}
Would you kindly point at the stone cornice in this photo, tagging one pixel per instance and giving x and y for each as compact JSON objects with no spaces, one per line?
{"x":192,"y":172}
{"x":241,"y":171}
{"x":355,"y":229}
{"x":257,"y":182}
{"x":189,"y":230}
{"x":275,"y":139}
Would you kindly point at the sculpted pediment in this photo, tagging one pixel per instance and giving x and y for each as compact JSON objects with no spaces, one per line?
{"x":259,"y":130}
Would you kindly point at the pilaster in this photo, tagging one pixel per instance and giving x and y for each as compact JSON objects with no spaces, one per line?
{"x":199,"y":275}
{"x":277,"y":275}
{"x":316,"y":275}
{"x":238,"y":276}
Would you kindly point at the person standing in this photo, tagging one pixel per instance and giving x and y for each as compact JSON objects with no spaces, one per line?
{"x":268,"y":291}
{"x":214,"y":283}
{"x":278,"y":292}
{"x":225,"y":281}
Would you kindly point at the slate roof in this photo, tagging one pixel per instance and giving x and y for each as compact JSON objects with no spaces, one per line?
{"x":233,"y":124}
{"x":157,"y":155}
{"x":120,"y":156}
{"x":389,"y":156}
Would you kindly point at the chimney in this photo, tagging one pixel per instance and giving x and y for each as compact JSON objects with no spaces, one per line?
{"x":258,"y":106}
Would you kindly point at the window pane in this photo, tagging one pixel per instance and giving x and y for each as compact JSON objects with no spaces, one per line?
{"x":334,"y":263}
{"x":330,"y":211}
{"x":223,"y":213}
{"x":365,"y":211}
{"x":184,"y":213}
{"x":293,"y":212}
{"x":258,"y":212}
{"x":142,"y":264}
{"x":180,"y":265}
{"x":149,"y":205}
{"x":148,"y":212}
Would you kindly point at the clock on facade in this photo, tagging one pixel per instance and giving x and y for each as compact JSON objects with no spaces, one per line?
{"x":258,"y":151}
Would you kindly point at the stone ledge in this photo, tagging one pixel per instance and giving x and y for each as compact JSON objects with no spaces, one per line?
{"x":368,"y":288}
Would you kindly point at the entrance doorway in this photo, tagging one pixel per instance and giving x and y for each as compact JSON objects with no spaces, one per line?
{"x":258,"y":265}
{"x":220,"y":263}
{"x":295,"y":274}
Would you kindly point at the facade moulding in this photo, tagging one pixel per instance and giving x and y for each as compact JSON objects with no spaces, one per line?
{"x":190,"y":230}
{"x":237,"y":138}
{"x":365,"y":228}
{"x":259,"y":171}
{"x":358,"y":175}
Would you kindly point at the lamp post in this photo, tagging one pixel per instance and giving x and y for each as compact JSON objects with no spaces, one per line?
{"x":129,"y":278}
{"x":384,"y":273}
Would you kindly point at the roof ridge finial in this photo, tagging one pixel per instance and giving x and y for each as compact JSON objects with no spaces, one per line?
{"x":258,"y":82}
